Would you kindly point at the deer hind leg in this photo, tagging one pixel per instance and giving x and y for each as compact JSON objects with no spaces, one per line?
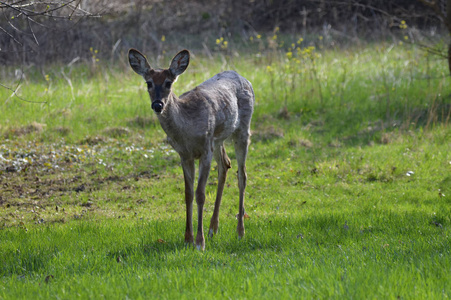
{"x":224,"y":165}
{"x":241,"y":148}
{"x":204,"y":171}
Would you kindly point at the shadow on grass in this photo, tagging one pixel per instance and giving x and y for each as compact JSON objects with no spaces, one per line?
{"x":88,"y":245}
{"x":278,"y":233}
{"x":353,"y":127}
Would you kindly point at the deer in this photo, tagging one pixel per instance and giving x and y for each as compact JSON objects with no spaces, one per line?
{"x":196,"y":124}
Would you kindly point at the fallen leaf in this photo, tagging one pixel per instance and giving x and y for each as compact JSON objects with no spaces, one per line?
{"x":48,"y":277}
{"x":246,"y":216}
{"x":345,"y":226}
{"x":161,"y":241}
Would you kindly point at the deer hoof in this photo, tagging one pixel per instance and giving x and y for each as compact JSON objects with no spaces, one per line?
{"x":200,"y":242}
{"x":213,"y":230}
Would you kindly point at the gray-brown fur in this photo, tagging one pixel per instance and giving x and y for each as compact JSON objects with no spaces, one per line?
{"x":197,"y":124}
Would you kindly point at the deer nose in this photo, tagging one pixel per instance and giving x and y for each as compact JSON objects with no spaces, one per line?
{"x":157,"y":106}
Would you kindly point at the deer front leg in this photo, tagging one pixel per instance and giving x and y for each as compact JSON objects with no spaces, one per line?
{"x":188,"y":174}
{"x":204,"y":171}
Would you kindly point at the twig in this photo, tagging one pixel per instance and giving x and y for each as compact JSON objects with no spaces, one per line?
{"x":74,"y":9}
{"x":70,"y":84}
{"x":438,"y":11}
{"x":11,"y":36}
{"x":358,"y":5}
{"x":20,"y":98}
{"x":32,"y":32}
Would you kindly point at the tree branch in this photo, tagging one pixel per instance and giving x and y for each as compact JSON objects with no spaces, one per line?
{"x":32,"y":13}
{"x":435,"y":6}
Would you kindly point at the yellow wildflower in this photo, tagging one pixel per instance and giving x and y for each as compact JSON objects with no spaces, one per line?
{"x":403,"y":25}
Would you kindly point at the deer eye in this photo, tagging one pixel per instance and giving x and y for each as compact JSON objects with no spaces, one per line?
{"x":149,"y":84}
{"x":168,"y":84}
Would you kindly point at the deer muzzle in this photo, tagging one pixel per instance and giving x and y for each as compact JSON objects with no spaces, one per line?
{"x":157,"y":106}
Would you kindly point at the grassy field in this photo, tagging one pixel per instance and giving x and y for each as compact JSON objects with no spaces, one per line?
{"x":349,"y":181}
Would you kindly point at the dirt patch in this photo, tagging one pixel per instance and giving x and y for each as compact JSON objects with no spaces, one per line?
{"x":64,"y":131}
{"x":300,"y":143}
{"x":116,"y":131}
{"x":44,"y":183}
{"x":32,"y":127}
{"x":93,"y":140}
{"x":142,"y":122}
{"x":284,"y":113}
{"x":267,"y":134}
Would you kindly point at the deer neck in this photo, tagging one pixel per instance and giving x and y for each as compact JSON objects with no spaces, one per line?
{"x":171,"y":119}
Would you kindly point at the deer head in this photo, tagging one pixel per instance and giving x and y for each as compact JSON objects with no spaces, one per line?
{"x":159,"y":81}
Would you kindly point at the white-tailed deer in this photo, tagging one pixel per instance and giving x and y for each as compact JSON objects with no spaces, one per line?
{"x":197,"y":124}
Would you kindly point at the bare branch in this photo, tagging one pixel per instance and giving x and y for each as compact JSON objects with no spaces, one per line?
{"x":73,"y":10}
{"x":11,"y":36}
{"x":361,"y":5}
{"x":32,"y":32}
{"x":29,"y":9}
{"x":436,"y":7}
{"x":20,"y":98}
{"x":24,"y":17}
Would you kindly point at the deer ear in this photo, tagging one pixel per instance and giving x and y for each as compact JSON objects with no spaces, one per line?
{"x":138,"y":62}
{"x":179,"y":63}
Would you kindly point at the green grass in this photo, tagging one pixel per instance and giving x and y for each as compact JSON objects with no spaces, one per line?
{"x":348,"y":194}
